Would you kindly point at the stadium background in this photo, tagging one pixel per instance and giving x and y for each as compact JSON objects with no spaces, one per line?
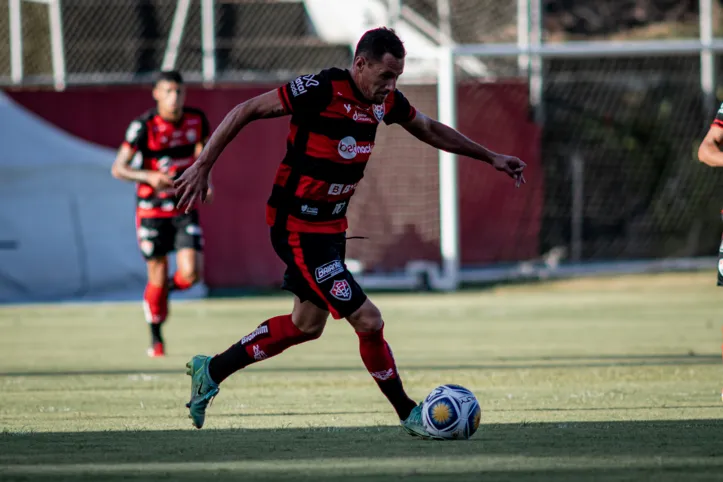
{"x":634,"y":120}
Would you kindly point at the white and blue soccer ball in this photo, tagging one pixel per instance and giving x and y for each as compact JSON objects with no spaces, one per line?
{"x":451,"y":412}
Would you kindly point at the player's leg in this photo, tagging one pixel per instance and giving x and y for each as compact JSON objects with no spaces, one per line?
{"x":155,"y":243}
{"x":306,"y":322}
{"x":379,"y":361}
{"x":269,"y":339}
{"x":188,"y":244}
{"x":378,"y":358}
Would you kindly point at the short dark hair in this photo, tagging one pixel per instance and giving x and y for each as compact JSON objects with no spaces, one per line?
{"x":168,"y":76}
{"x":379,"y":41}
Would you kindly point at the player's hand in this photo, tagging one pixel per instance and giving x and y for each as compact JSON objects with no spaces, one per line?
{"x":512,"y":166}
{"x":159,"y":180}
{"x":192,"y":187}
{"x":209,"y":196}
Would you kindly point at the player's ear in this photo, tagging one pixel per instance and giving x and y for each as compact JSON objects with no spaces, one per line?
{"x":360,"y":62}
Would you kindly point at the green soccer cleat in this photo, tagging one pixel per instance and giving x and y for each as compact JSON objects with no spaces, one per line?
{"x":203,"y":389}
{"x":414,"y":426}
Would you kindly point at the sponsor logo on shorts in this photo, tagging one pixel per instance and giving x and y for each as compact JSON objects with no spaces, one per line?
{"x":262,"y":331}
{"x":328,"y":270}
{"x":341,"y":290}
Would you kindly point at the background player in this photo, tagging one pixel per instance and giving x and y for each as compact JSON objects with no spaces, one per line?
{"x":335,"y":115}
{"x":159,"y":145}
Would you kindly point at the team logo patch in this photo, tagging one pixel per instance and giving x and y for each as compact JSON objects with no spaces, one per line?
{"x":328,"y":270}
{"x":146,"y":247}
{"x":341,"y":290}
{"x":379,"y":112}
{"x":191,"y":135}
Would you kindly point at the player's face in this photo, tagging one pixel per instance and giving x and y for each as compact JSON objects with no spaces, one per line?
{"x":169,"y":96}
{"x":379,"y":78}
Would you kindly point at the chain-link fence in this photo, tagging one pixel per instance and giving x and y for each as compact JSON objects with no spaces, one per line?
{"x":258,"y":40}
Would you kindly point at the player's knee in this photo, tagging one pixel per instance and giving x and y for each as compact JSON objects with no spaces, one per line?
{"x":313,"y":327}
{"x":311,"y":321}
{"x":368,"y":318}
{"x":157,"y":271}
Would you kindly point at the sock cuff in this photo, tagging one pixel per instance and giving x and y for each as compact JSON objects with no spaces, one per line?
{"x":180,"y":282}
{"x":371,"y":335}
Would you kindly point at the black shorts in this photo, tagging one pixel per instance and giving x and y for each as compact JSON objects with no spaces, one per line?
{"x":159,"y":236}
{"x":315,"y":271}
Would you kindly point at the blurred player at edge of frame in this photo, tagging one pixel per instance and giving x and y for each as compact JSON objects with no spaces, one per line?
{"x":710,"y":153}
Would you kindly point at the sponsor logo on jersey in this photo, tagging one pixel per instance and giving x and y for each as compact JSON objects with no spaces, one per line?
{"x":348,"y":149}
{"x":308,"y":210}
{"x":299,"y":85}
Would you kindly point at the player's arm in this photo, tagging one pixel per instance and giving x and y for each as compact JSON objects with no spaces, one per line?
{"x":122,"y":168}
{"x":205,"y":132}
{"x":709,"y":151}
{"x":301,"y":96}
{"x":443,"y":137}
{"x":264,"y":106}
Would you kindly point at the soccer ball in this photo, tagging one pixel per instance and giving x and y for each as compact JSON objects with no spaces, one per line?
{"x":451,"y":412}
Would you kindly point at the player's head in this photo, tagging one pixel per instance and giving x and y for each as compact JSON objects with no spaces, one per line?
{"x":378,"y":63}
{"x":169,"y":92}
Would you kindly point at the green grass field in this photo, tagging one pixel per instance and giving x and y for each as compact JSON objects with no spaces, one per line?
{"x":598,"y":379}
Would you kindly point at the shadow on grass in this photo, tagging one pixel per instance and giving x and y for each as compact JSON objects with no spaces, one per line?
{"x":607,"y":451}
{"x":506,"y":363}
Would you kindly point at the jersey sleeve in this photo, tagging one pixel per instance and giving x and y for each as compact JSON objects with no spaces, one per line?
{"x":306,"y":94}
{"x":401,"y":110}
{"x":718,"y":121}
{"x":136,"y":135}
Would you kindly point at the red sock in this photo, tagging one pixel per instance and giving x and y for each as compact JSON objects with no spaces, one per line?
{"x":379,"y":361}
{"x":179,"y":283}
{"x":270,"y":338}
{"x":155,"y":303}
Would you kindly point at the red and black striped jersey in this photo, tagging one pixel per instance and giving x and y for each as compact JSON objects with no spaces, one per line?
{"x":169,"y":147}
{"x":718,"y":121}
{"x":331,"y":138}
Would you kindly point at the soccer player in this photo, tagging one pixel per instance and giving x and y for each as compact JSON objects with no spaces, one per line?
{"x":710,"y":153}
{"x":159,"y":146}
{"x":334,"y":119}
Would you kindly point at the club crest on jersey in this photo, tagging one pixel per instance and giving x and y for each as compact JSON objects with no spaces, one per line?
{"x":379,"y":112}
{"x":341,"y":290}
{"x":191,"y":135}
